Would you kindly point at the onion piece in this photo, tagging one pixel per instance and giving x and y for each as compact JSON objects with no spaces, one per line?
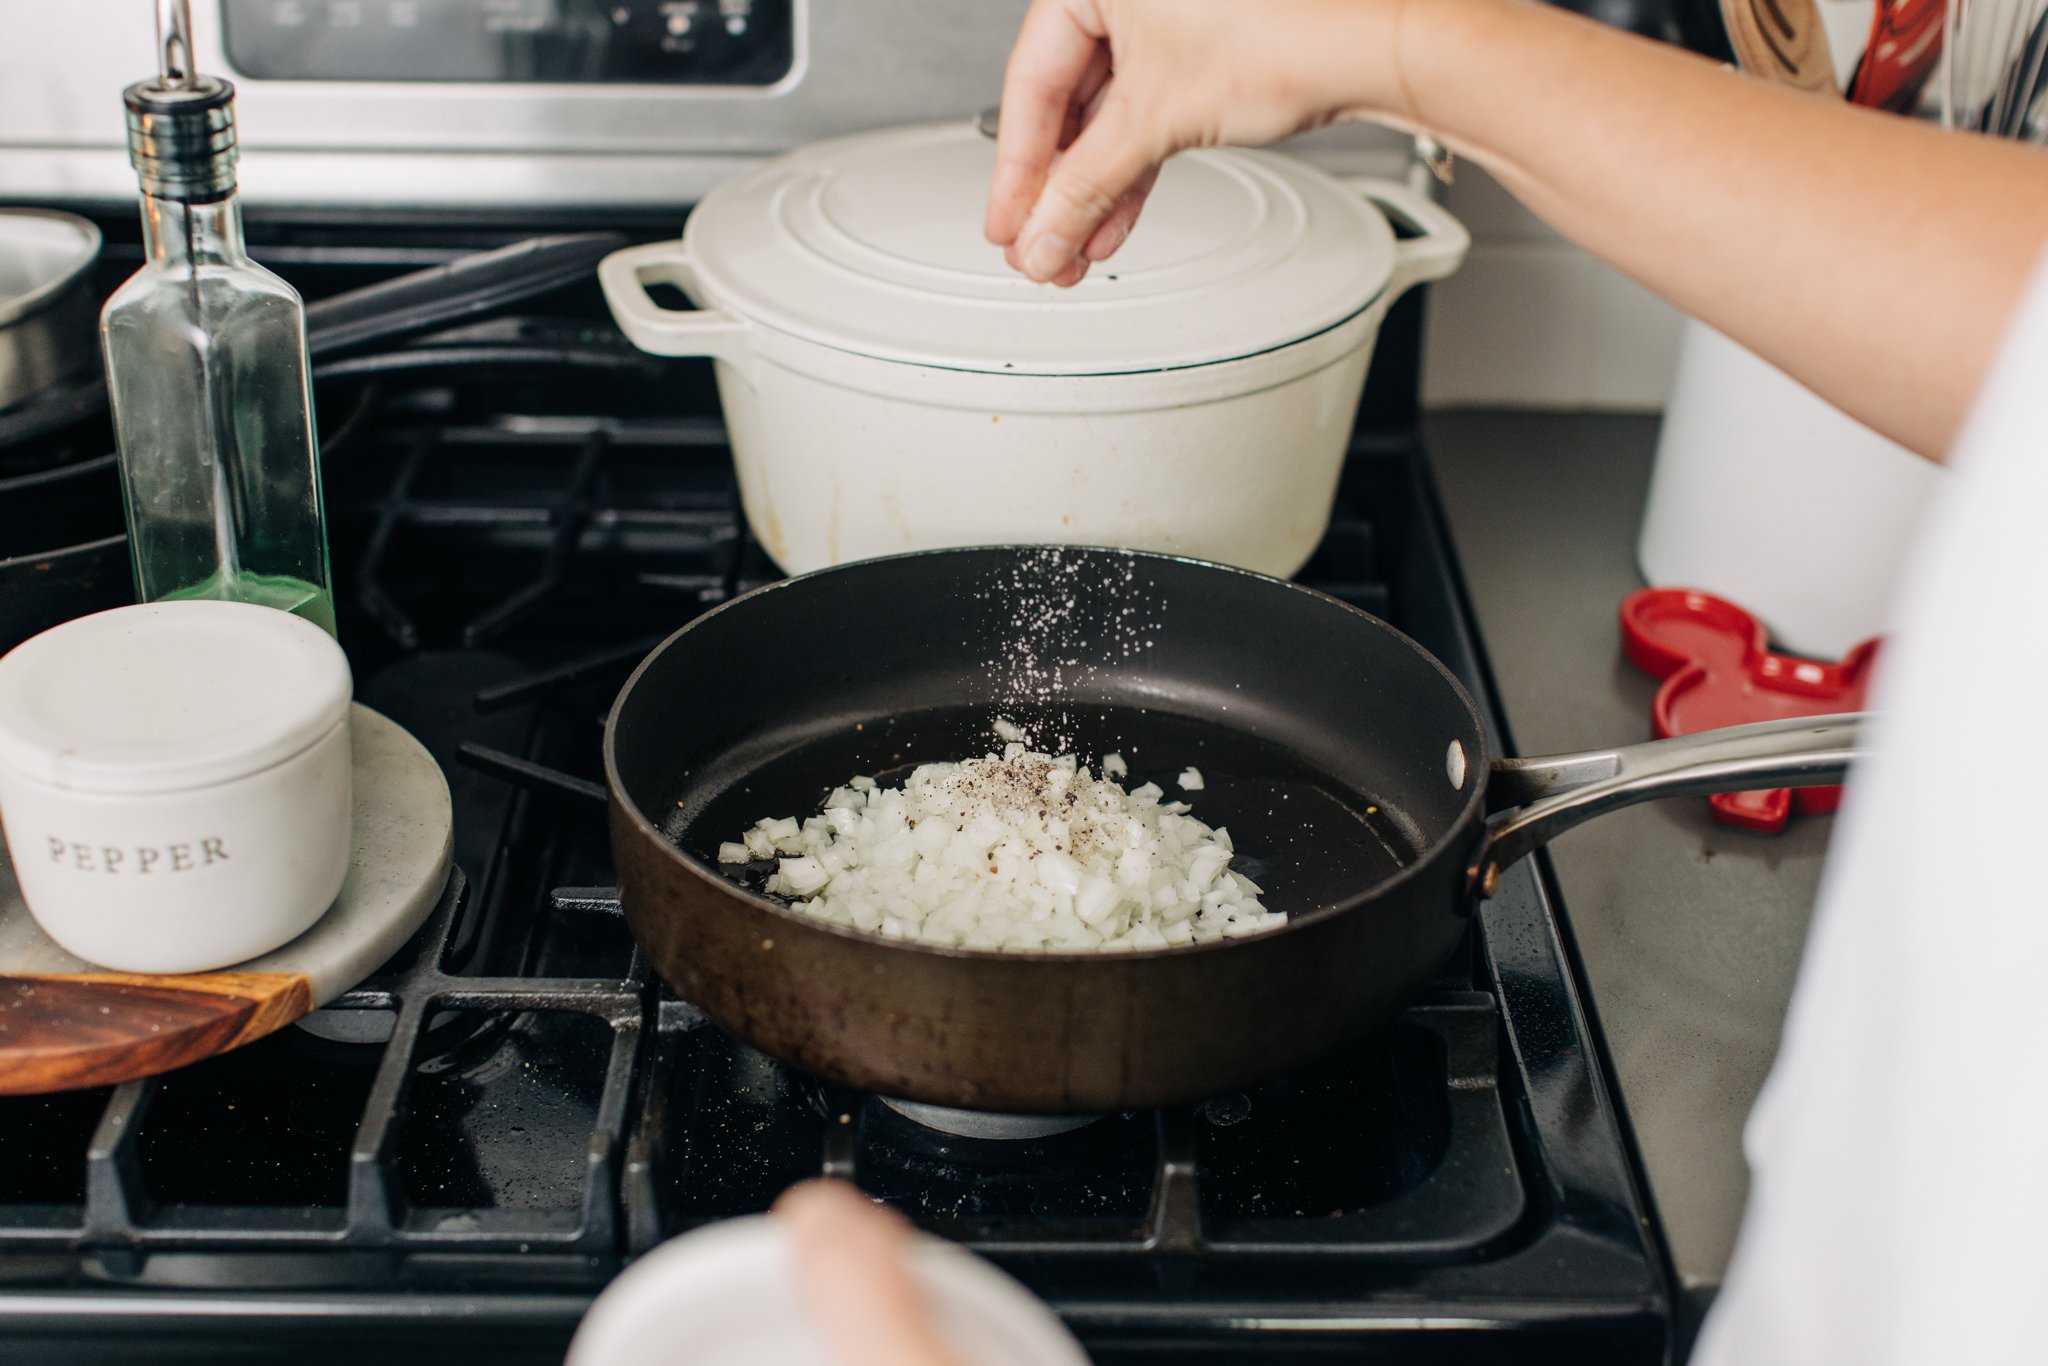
{"x":1020,"y":852}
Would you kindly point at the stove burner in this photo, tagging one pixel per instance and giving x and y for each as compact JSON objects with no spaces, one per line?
{"x":983,"y":1124}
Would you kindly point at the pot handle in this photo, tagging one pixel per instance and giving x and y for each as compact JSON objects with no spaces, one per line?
{"x":625,"y":276}
{"x":1443,"y":241}
{"x":1548,"y":796}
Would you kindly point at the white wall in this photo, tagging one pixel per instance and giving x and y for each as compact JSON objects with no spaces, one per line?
{"x":1530,"y":321}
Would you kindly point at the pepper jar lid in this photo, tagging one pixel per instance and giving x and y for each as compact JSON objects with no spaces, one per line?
{"x":168,"y":696}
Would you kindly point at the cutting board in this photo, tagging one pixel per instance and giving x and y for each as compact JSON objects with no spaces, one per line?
{"x":65,"y":1023}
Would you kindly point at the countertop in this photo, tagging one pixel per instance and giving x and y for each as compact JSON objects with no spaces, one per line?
{"x":1688,"y":932}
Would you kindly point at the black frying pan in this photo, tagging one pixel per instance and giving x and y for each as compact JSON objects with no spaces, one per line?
{"x":1349,"y":766}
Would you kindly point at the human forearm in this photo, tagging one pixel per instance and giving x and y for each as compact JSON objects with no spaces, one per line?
{"x":1873,"y":258}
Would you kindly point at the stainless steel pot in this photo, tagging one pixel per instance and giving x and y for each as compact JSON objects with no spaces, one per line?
{"x":46,"y":304}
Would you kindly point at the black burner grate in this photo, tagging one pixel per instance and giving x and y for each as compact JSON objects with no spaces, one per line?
{"x":297,"y":1142}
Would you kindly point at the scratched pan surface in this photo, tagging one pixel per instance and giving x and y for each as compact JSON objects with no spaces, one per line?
{"x":1321,"y":733}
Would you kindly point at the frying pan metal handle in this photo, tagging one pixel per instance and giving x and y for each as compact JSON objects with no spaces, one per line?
{"x":1547,"y":796}
{"x":465,"y":288}
{"x":458,"y":291}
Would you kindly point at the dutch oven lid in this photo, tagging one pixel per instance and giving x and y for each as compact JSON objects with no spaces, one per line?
{"x":873,"y":244}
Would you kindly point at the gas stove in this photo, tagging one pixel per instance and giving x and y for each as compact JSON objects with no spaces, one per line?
{"x":453,"y":1158}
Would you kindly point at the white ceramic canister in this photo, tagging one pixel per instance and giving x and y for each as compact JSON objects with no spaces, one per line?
{"x":890,"y":384}
{"x":726,"y":1295}
{"x":174,"y":781}
{"x":1767,"y":495}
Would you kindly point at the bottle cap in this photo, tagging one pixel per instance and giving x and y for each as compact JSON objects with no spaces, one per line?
{"x":181,"y":137}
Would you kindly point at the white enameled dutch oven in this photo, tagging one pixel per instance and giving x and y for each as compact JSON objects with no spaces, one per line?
{"x":890,"y":383}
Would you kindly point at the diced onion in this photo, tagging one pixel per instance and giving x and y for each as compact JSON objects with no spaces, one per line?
{"x":1020,"y":851}
{"x":1191,"y":780}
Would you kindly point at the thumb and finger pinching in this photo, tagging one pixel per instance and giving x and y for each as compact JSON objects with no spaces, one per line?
{"x":1090,"y":198}
{"x":854,"y":1276}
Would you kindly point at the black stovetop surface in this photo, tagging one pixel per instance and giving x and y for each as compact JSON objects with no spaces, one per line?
{"x":454,"y":1157}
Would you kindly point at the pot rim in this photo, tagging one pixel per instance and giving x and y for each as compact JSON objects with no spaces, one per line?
{"x":16,"y":308}
{"x":1009,"y":373}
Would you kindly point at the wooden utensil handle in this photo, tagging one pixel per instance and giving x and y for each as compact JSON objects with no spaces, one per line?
{"x":59,"y":1033}
{"x":1782,"y":41}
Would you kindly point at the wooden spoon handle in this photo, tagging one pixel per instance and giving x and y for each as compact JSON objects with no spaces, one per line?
{"x":95,"y":1029}
{"x":1782,"y":41}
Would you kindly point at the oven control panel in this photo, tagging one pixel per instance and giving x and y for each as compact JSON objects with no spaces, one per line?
{"x":546,"y":42}
{"x":552,"y":106}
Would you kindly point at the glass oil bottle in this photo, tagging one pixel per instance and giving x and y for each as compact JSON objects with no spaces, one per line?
{"x":207,"y":371}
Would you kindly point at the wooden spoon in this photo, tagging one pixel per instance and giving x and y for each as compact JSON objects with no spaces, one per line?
{"x":1782,"y":41}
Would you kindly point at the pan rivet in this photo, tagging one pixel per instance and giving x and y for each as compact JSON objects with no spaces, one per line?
{"x":1454,"y":765}
{"x":1489,"y":881}
{"x":767,"y":943}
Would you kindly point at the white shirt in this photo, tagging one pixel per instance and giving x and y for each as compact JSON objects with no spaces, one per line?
{"x":1898,"y":1210}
